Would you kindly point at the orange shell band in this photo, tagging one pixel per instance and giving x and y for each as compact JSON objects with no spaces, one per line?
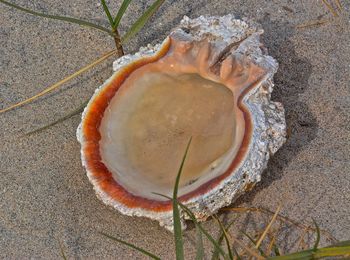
{"x":91,"y":135}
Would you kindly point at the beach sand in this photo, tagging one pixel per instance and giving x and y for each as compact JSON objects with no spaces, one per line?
{"x":45,"y":197}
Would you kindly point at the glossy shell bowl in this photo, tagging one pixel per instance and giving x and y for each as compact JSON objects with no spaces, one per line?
{"x":211,"y":80}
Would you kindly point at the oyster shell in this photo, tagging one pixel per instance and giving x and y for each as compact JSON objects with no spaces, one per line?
{"x":210,"y":80}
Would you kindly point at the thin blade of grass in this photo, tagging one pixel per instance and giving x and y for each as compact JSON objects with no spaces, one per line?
{"x":330,"y":8}
{"x":62,"y":252}
{"x":60,"y":18}
{"x":303,"y":255}
{"x":276,"y":250}
{"x":71,"y":114}
{"x":247,"y":249}
{"x":258,"y":243}
{"x":342,"y":243}
{"x":254,"y":243}
{"x":332,"y":251}
{"x":339,"y":5}
{"x":281,"y":218}
{"x":319,"y":253}
{"x":237,"y":257}
{"x":250,"y":251}
{"x":176,"y":213}
{"x":318,"y":236}
{"x":58,"y":84}
{"x":226,"y":237}
{"x":193,"y":218}
{"x":339,"y":249}
{"x":210,"y":238}
{"x":312,"y":23}
{"x":199,"y":245}
{"x":301,"y":242}
{"x":215,"y":254}
{"x":141,"y":250}
{"x":249,"y":237}
{"x":121,"y":12}
{"x":137,"y":26}
{"x":270,"y":246}
{"x":108,"y":13}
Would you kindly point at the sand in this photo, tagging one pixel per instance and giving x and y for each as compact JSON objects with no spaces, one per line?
{"x":45,"y":196}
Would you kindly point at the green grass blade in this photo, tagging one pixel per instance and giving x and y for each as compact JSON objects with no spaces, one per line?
{"x":210,"y":238}
{"x":318,"y":236}
{"x":121,"y":12}
{"x":56,"y":17}
{"x":303,"y":255}
{"x":276,"y":250}
{"x":215,"y":254}
{"x":71,"y":114}
{"x":137,"y":26}
{"x":226,"y":238}
{"x":199,"y":245}
{"x":342,"y":243}
{"x":340,"y":249}
{"x":108,"y":13}
{"x":193,"y":218}
{"x":176,"y":213}
{"x":131,"y":246}
{"x":332,"y":251}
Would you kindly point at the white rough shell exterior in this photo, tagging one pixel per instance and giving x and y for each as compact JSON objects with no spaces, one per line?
{"x":269,"y":127}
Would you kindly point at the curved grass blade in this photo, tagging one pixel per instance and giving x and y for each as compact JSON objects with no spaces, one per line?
{"x":332,"y":251}
{"x":270,"y":246}
{"x":193,"y":218}
{"x":303,"y":255}
{"x":121,"y":12}
{"x":318,"y":236}
{"x":254,"y":242}
{"x":141,"y":250}
{"x":330,"y":8}
{"x":281,"y":218}
{"x":108,"y":13}
{"x":339,"y":5}
{"x":226,"y":238}
{"x":258,"y":243}
{"x":71,"y":114}
{"x":215,"y":254}
{"x":276,"y":250}
{"x":210,"y":238}
{"x":311,"y":254}
{"x":339,"y":249}
{"x":342,"y":243}
{"x":312,"y":23}
{"x":176,"y":213}
{"x":137,"y":26}
{"x":58,"y":84}
{"x":62,"y":252}
{"x":57,"y":17}
{"x":199,"y":245}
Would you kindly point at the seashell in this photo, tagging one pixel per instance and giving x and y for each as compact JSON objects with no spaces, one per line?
{"x":211,"y":80}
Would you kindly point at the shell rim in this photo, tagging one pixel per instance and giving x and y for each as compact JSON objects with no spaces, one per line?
{"x":99,"y":174}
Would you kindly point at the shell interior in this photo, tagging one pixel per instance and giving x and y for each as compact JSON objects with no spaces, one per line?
{"x":162,"y":104}
{"x":210,"y":79}
{"x":149,"y":122}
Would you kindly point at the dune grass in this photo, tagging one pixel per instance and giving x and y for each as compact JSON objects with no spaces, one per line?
{"x":113,"y":31}
{"x":235,"y":248}
{"x":114,"y":23}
